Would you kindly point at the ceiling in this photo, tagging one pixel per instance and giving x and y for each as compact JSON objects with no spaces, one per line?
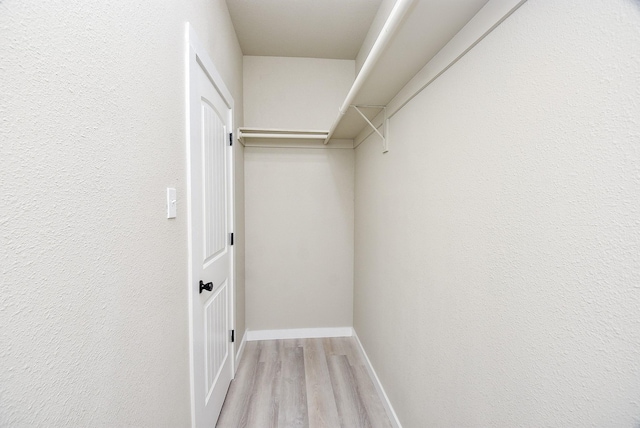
{"x":302,"y":28}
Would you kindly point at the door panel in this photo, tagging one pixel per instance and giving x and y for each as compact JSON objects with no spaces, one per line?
{"x":215,"y":207}
{"x":215,"y":330}
{"x":210,"y":187}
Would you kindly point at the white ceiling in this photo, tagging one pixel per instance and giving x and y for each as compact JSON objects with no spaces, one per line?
{"x":302,"y":28}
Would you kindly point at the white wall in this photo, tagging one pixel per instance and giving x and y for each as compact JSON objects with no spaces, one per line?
{"x":497,"y":243}
{"x":299,"y":228}
{"x":295,"y":93}
{"x":93,"y":306}
{"x":299,"y":202}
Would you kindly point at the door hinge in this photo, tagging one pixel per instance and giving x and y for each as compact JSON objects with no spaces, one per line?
{"x":231,"y":139}
{"x":233,"y":336}
{"x":231,"y":238}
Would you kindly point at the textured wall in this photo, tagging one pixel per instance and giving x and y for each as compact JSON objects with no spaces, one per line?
{"x":295,"y":93}
{"x":299,"y":220}
{"x":497,"y":268}
{"x":93,"y":298}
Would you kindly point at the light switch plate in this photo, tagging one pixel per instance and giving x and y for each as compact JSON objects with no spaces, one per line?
{"x":171,"y":202}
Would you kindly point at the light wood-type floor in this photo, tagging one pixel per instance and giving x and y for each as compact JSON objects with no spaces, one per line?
{"x":314,"y":383}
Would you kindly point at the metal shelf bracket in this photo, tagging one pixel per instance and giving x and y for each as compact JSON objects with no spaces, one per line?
{"x":385,"y":125}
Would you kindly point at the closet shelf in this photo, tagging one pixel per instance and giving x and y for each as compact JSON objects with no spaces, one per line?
{"x":287,"y":138}
{"x":245,"y":134}
{"x":418,"y":42}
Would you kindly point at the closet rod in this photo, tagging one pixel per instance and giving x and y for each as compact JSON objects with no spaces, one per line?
{"x":285,"y":136}
{"x":388,"y":30}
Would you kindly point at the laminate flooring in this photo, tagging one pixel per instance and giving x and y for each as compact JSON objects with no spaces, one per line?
{"x":310,"y":383}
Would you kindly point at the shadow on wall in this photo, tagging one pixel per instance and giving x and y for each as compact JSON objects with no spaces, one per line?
{"x":346,"y":195}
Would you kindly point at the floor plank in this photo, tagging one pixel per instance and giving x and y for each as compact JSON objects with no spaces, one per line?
{"x":293,"y":396}
{"x":343,"y":346}
{"x":350,"y":408}
{"x":370,"y":398}
{"x":233,"y":412}
{"x":270,"y":351}
{"x":264,"y":403}
{"x":303,"y":383}
{"x":321,"y":403}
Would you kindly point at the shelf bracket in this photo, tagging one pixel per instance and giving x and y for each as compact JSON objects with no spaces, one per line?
{"x":385,"y":125}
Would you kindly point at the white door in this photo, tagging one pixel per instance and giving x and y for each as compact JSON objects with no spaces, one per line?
{"x":210,"y":191}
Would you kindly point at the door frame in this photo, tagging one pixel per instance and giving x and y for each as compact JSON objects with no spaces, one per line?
{"x":196,"y":56}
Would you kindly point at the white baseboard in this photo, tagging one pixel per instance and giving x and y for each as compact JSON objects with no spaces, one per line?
{"x":240,"y":352}
{"x":298,"y":333}
{"x":376,"y":381}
